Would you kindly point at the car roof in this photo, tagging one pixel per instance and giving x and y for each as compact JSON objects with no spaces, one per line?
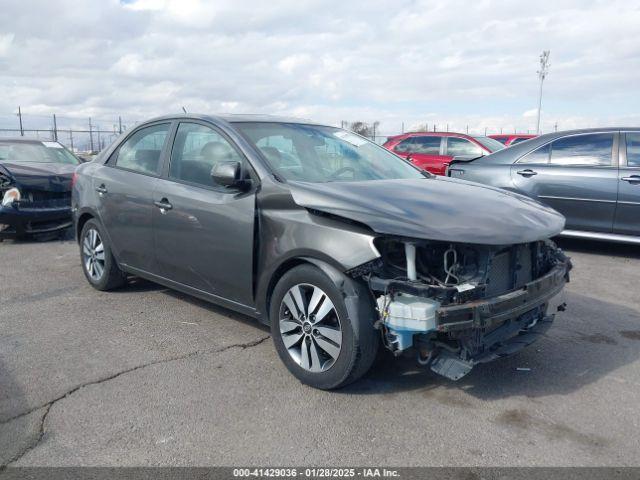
{"x":431,"y":134}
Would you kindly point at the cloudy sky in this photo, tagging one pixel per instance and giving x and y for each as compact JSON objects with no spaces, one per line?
{"x":413,"y":62}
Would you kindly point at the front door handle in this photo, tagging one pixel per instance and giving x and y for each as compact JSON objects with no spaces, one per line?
{"x":527,"y":173}
{"x":163,"y":205}
{"x":632,"y":179}
{"x":101,"y":189}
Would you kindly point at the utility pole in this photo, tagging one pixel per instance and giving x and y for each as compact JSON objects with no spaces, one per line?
{"x":542,"y":73}
{"x":20,"y":120}
{"x":90,"y":135}
{"x":119,"y":124}
{"x":55,"y":129}
{"x":71,"y":139}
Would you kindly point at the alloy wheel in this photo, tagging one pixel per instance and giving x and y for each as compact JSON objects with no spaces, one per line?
{"x":93,"y":254}
{"x":310,"y":327}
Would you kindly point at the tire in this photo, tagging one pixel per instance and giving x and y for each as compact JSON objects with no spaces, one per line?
{"x":322,"y":330}
{"x":98,"y":264}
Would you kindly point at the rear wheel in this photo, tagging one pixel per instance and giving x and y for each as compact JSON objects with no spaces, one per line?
{"x":314,"y":336}
{"x":98,"y":264}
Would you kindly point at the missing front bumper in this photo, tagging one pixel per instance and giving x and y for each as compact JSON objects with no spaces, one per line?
{"x":482,"y":346}
{"x":484,"y":330}
{"x":34,"y":219}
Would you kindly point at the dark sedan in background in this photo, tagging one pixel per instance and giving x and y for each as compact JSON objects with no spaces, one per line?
{"x":35,"y":187}
{"x":590,"y":176}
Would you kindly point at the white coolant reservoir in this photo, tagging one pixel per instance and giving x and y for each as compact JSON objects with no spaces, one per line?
{"x":409,"y":313}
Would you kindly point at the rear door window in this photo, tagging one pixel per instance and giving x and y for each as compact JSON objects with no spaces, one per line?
{"x":633,"y":149}
{"x":141,"y":151}
{"x":583,"y":150}
{"x":427,"y":145}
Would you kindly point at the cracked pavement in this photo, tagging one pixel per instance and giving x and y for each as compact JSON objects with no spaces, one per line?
{"x":148,"y":376}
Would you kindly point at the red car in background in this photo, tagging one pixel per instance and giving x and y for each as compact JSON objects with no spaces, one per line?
{"x":508,"y":140}
{"x":433,"y":151}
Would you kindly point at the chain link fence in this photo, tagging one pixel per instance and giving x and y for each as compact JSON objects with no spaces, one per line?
{"x":81,"y":135}
{"x":91,"y":134}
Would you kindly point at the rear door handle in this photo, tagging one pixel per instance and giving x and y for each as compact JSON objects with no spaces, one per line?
{"x":163,"y":205}
{"x":632,"y":179}
{"x":101,"y":189}
{"x":527,"y":173}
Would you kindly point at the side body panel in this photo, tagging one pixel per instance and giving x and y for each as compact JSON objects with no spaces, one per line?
{"x":586,"y":196}
{"x":125,"y":209}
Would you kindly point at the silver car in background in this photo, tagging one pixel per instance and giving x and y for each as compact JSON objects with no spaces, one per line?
{"x":590,"y":176}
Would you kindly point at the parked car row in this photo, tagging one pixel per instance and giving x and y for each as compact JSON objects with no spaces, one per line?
{"x":338,"y":244}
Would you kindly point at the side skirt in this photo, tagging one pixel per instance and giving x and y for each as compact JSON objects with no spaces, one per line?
{"x":609,"y":237}
{"x":201,"y":294}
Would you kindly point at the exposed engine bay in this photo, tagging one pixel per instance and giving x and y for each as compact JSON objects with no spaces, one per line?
{"x":456,"y":305}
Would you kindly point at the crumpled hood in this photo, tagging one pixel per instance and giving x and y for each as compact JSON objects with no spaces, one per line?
{"x":438,"y":208}
{"x":51,"y":177}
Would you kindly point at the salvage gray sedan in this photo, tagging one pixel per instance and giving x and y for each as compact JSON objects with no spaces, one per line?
{"x":337,"y":244}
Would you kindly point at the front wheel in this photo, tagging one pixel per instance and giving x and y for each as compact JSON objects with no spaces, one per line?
{"x":313,"y":333}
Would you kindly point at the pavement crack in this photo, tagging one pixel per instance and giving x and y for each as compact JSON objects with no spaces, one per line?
{"x":34,"y":443}
{"x":73,"y":390}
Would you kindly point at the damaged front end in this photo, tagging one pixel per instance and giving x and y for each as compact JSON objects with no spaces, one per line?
{"x":28,"y":211}
{"x":456,"y":305}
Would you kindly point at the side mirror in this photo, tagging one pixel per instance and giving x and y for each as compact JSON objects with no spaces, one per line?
{"x":228,"y":174}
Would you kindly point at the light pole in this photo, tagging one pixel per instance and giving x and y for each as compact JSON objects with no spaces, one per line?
{"x":542,"y":73}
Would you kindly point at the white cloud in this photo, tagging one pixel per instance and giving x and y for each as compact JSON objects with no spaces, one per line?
{"x":405,"y":61}
{"x":530,"y":113}
{"x":291,"y":63}
{"x":5,"y":43}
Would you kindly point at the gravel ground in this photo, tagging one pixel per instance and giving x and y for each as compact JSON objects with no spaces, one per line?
{"x":148,"y":376}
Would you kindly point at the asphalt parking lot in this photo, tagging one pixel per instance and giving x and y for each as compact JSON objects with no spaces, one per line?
{"x":148,"y":376}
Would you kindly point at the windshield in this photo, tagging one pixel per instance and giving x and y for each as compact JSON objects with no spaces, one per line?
{"x":492,"y":144}
{"x":41,"y":152}
{"x":312,"y":153}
